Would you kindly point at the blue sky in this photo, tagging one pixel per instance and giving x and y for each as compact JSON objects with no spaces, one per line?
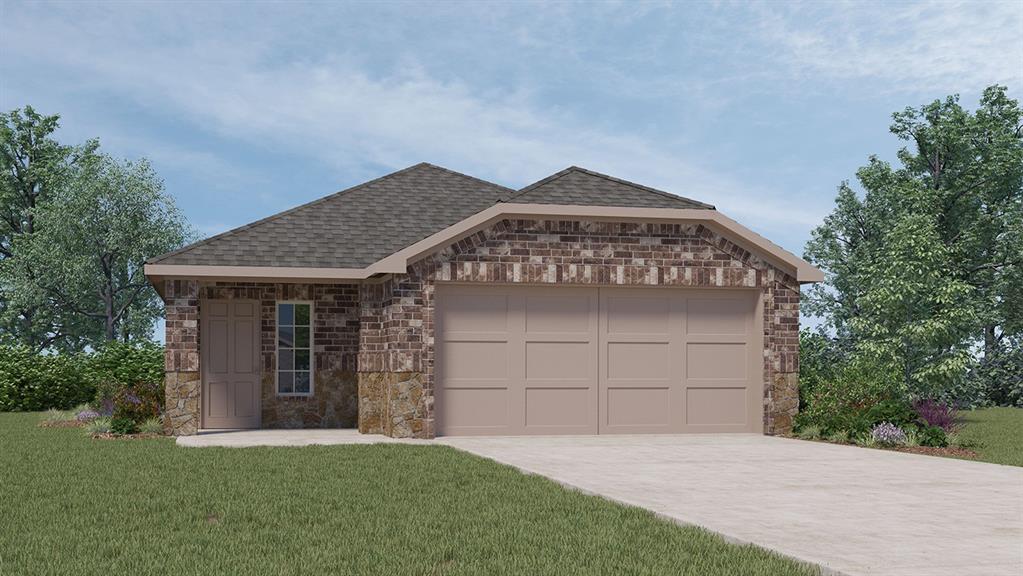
{"x":248,"y":109}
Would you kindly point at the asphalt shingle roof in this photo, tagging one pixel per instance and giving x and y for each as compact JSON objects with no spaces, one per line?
{"x":363,"y":224}
{"x":352,"y":228}
{"x":579,"y":186}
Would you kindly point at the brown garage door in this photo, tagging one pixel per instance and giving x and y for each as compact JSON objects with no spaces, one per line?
{"x":230,"y":363}
{"x":543,"y":360}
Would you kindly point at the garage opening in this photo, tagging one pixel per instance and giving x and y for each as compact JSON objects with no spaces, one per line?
{"x":514,"y":360}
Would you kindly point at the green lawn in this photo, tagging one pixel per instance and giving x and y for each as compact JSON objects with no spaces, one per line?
{"x":73,"y":505}
{"x":997,"y":433}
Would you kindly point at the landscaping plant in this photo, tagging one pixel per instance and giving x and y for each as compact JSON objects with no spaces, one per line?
{"x":934,"y":413}
{"x":151,"y":426}
{"x":888,"y":434}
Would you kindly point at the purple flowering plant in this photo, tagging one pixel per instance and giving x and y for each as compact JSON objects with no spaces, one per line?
{"x":888,"y":434}
{"x":935,"y":413}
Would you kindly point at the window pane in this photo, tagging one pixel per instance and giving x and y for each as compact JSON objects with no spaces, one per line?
{"x":285,"y":382}
{"x":286,"y":359}
{"x":301,"y":314}
{"x":285,"y":314}
{"x":301,"y":359}
{"x":286,"y":336}
{"x":301,"y":337}
{"x":302,"y":382}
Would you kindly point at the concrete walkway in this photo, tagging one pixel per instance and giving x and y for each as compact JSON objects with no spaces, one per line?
{"x":851,"y":510}
{"x":308,"y":437}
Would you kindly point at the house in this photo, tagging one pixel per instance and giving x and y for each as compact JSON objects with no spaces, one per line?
{"x":427,"y":302}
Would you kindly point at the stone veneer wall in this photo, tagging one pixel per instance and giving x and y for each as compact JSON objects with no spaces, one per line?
{"x":181,"y":357}
{"x":334,"y":403}
{"x":396,"y":343}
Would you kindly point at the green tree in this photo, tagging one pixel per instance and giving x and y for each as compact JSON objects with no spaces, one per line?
{"x":33,"y":167}
{"x":927,"y":263}
{"x":92,"y":243}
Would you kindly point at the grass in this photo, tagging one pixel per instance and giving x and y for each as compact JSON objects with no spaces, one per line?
{"x":74,"y":505}
{"x":996,"y":434}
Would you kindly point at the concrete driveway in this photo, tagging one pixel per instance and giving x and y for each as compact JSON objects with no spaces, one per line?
{"x":852,"y":510}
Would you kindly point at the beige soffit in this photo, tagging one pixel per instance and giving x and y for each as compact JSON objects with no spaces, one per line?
{"x":398,"y":262}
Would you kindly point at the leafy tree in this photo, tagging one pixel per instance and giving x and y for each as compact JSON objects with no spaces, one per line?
{"x":92,"y":243}
{"x":928,"y":263}
{"x":33,"y":166}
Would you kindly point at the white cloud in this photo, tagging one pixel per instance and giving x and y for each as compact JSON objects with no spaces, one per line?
{"x":924,"y":47}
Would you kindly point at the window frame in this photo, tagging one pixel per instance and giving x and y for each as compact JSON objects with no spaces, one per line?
{"x":277,"y":349}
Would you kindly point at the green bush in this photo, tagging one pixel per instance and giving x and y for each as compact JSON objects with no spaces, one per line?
{"x":933,"y":436}
{"x":30,"y":381}
{"x":858,"y":397}
{"x":119,"y":364}
{"x":123,"y":425}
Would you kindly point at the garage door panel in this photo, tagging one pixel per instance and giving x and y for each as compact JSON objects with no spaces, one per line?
{"x":475,"y":408}
{"x":633,"y":361}
{"x":562,"y":314}
{"x":717,"y":360}
{"x":558,"y":408}
{"x":638,"y":314}
{"x":718,"y":406}
{"x":718,"y":315}
{"x":476,"y":312}
{"x":639,"y":407}
{"x":559,"y":361}
{"x":472,"y":361}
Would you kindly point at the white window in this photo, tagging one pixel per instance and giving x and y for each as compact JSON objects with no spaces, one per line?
{"x":294,"y":348}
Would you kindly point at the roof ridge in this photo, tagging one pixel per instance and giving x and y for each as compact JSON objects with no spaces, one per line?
{"x":466,"y":176}
{"x":574,"y":168}
{"x":541,"y":182}
{"x":321,"y":200}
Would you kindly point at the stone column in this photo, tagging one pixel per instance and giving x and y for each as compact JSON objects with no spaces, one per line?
{"x":182,"y":380}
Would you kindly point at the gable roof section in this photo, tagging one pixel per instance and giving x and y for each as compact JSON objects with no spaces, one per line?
{"x":581,"y":187}
{"x":352,"y":228}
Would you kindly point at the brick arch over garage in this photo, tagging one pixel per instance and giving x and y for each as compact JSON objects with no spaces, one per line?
{"x":396,"y":360}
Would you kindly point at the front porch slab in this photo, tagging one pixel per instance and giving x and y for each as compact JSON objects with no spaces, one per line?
{"x":303,"y":437}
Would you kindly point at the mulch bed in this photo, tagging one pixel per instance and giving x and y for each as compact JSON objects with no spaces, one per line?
{"x":61,"y":424}
{"x":111,"y":436}
{"x":948,"y":451}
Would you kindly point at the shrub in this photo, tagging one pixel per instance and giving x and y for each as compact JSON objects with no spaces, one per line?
{"x":933,"y":436}
{"x":123,"y":425}
{"x":934,"y":413}
{"x":859,"y":397}
{"x":138,"y":402}
{"x":151,"y":426}
{"x":121,"y":364}
{"x":30,"y":381}
{"x":98,"y":426}
{"x":888,"y":434}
